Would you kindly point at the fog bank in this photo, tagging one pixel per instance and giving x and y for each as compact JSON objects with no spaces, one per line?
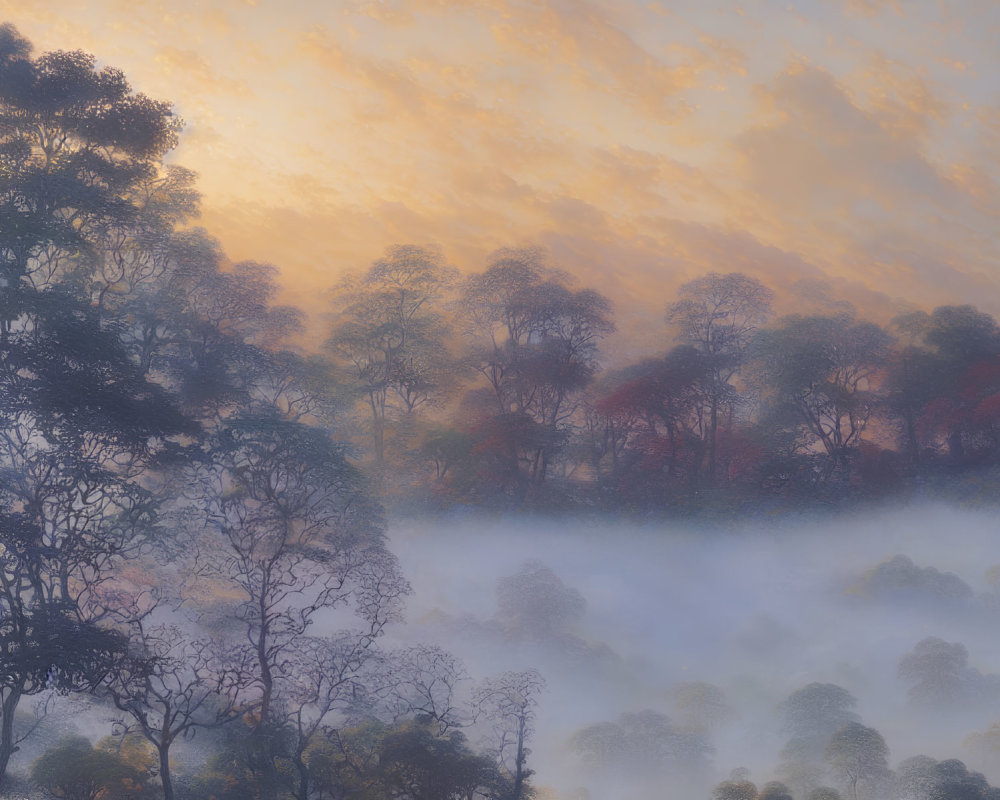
{"x":616,"y":615}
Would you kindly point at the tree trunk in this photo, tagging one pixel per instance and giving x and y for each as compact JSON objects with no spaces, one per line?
{"x":269,"y":789}
{"x":912,"y":445}
{"x":713,"y":430}
{"x":165,"y":782}
{"x":300,"y":765}
{"x":955,"y":449}
{"x":519,"y":760}
{"x":7,"y":746}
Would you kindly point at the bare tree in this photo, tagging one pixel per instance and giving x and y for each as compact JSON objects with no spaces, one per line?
{"x":423,"y":681}
{"x":295,"y":533}
{"x":170,"y":686}
{"x":327,"y":683}
{"x":508,"y":702}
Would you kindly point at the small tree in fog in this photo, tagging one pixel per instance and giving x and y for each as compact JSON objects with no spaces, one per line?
{"x":923,"y":778}
{"x":937,"y":671}
{"x":824,"y":793}
{"x":701,"y":706}
{"x":534,"y":602}
{"x":643,"y":743}
{"x":508,"y":703}
{"x":810,"y":716}
{"x":735,"y":790}
{"x":858,"y":756}
{"x":774,"y":790}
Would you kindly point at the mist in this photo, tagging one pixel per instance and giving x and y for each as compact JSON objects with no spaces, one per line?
{"x":759,"y":609}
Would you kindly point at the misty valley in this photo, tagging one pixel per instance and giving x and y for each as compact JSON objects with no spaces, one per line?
{"x":668,"y":660}
{"x":681,"y":659}
{"x":460,"y":538}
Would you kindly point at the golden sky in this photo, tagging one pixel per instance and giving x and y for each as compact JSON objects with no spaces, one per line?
{"x":833,"y":148}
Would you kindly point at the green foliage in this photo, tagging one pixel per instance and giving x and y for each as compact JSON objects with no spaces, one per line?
{"x":775,"y":790}
{"x":735,"y":790}
{"x":859,"y":758}
{"x":824,"y":793}
{"x":643,"y":742}
{"x":240,"y":769}
{"x":420,"y":765}
{"x":923,"y":778}
{"x":74,"y":770}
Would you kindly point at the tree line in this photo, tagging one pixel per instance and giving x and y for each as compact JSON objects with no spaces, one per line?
{"x":490,"y":390}
{"x":829,"y":743}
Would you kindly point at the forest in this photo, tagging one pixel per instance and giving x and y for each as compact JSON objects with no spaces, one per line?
{"x":196,"y":493}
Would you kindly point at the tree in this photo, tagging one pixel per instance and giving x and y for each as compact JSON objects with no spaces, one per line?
{"x":535,"y":603}
{"x":79,"y":422}
{"x":774,"y":790}
{"x":719,"y":315}
{"x":422,"y":683}
{"x":858,"y":756}
{"x":390,"y":336}
{"x":508,"y":702}
{"x":346,"y":763}
{"x":818,"y":377}
{"x":923,"y":778}
{"x":666,"y":399}
{"x":735,"y":790}
{"x":169,"y":687}
{"x":939,"y":674}
{"x":605,"y":433}
{"x":327,"y":681}
{"x":968,"y":414}
{"x":810,"y":716}
{"x":535,"y":344}
{"x":209,"y":334}
{"x":294,"y":531}
{"x":927,"y":393}
{"x":409,"y":760}
{"x":78,"y":426}
{"x":702,"y":707}
{"x":416,"y":763}
{"x":77,"y":147}
{"x":74,"y":770}
{"x":641,"y":744}
{"x":824,"y":793}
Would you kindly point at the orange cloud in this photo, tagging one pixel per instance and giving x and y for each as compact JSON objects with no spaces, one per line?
{"x":841,"y":184}
{"x":188,"y":68}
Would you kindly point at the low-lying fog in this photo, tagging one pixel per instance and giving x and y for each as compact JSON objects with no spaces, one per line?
{"x":618,"y":617}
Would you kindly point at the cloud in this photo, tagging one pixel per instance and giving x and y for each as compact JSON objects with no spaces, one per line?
{"x":902,"y":101}
{"x":190,"y":69}
{"x":833,"y":174}
{"x":594,"y":128}
{"x":871,"y":8}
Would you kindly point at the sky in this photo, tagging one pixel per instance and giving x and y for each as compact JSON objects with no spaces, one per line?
{"x":835,"y":149}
